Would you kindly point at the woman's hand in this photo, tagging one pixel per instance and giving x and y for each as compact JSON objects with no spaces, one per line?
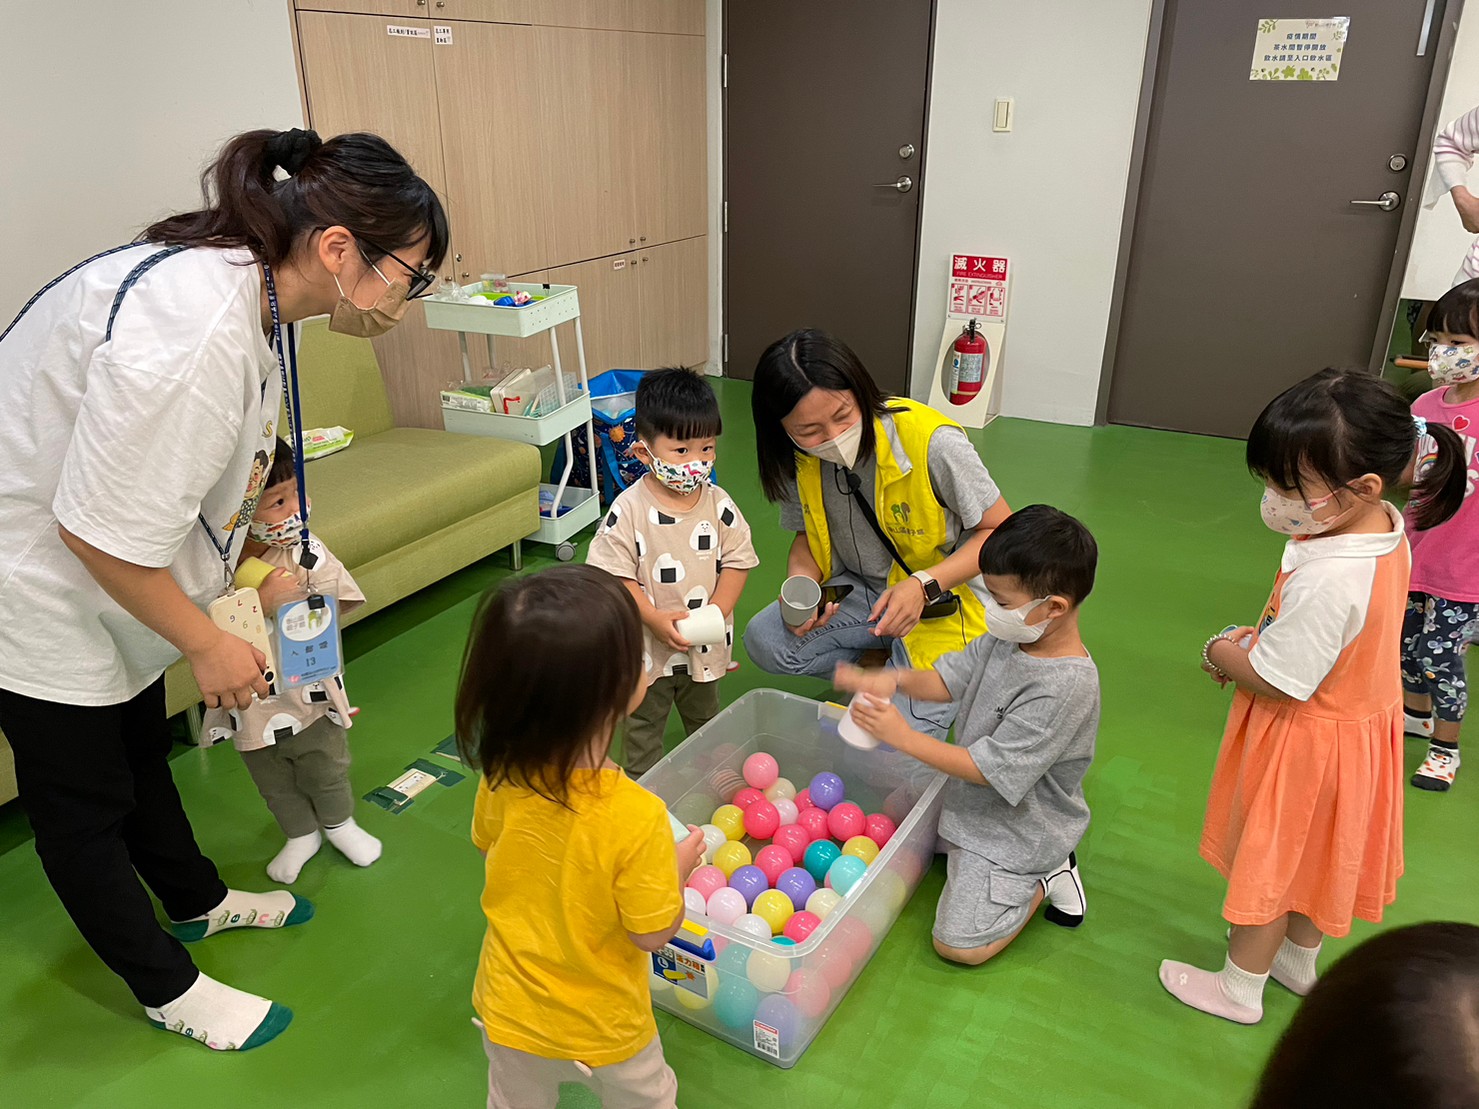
{"x":881,"y":719}
{"x":664,"y":625}
{"x":815,"y":622}
{"x":876,"y":683}
{"x":898,"y":609}
{"x":229,"y":671}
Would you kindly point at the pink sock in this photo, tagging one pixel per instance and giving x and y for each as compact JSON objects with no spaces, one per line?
{"x":1232,"y":993}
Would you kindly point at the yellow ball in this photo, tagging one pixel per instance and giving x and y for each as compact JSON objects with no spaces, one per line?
{"x":729,"y":819}
{"x":731,"y":857}
{"x":690,"y":1000}
{"x":775,"y":909}
{"x":861,"y":847}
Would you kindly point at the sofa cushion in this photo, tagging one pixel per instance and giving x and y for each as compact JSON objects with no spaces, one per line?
{"x":340,"y":382}
{"x":390,"y":489}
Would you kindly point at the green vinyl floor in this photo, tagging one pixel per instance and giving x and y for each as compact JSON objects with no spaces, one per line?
{"x":380,"y":979}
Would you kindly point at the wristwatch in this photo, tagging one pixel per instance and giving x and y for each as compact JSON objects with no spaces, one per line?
{"x":932,"y":590}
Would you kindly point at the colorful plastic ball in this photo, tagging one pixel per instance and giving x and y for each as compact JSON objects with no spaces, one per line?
{"x":809,"y":992}
{"x":793,"y":838}
{"x":761,"y":820}
{"x":658,"y":984}
{"x":814,"y":822}
{"x":835,"y":965}
{"x":786,"y":810}
{"x":777,"y":1012}
{"x":729,"y":819}
{"x":713,"y":838}
{"x":726,"y":905}
{"x":735,"y":1002}
{"x":819,"y":858}
{"x":784,"y":941}
{"x":774,"y":861}
{"x":845,"y":872}
{"x":731,"y":857}
{"x":803,"y":801}
{"x":707,"y":880}
{"x":695,"y":903}
{"x":695,"y":808}
{"x":733,"y":959}
{"x":880,"y":829}
{"x":861,"y":847}
{"x":845,"y":820}
{"x":797,"y":884}
{"x":747,"y":797}
{"x":775,"y":909}
{"x":826,"y":790}
{"x":802,"y":924}
{"x":690,"y":1000}
{"x":893,"y":894}
{"x":855,"y":937}
{"x":768,"y":973}
{"x":761,"y":770}
{"x":782,"y":789}
{"x":753,"y":925}
{"x":750,"y":881}
{"x":823,"y":902}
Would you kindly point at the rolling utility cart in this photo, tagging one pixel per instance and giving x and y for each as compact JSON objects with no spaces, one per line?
{"x":570,"y":508}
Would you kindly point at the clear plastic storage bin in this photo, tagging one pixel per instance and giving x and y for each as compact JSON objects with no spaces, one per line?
{"x":766,"y":998}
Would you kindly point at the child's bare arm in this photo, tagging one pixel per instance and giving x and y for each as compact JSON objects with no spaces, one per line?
{"x":663,"y":624}
{"x":922,"y":685}
{"x":883,"y":719}
{"x":727,"y":591}
{"x":1234,"y":661}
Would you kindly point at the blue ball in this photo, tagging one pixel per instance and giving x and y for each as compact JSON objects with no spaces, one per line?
{"x":750,"y":882}
{"x":735,"y":1002}
{"x":778,"y":1012}
{"x":845,"y":872}
{"x":733,"y":960}
{"x":826,"y":790}
{"x":819,"y":858}
{"x":784,"y":941}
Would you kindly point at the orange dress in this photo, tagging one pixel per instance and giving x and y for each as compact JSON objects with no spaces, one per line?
{"x":1305,"y":810}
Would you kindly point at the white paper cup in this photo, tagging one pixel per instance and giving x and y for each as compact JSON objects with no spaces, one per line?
{"x":705,"y":628}
{"x":852,"y":732}
{"x":800,"y":596}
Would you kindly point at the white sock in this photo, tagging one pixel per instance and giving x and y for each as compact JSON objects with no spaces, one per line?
{"x":1294,"y":967}
{"x":1421,"y":726}
{"x":241,"y":909}
{"x":1231,"y":993}
{"x":1243,"y":987}
{"x":220,"y":1017}
{"x":289,"y":861}
{"x":1064,"y":892}
{"x":354,"y":843}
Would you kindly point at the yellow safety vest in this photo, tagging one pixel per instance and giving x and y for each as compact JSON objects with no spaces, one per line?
{"x":909,"y":513}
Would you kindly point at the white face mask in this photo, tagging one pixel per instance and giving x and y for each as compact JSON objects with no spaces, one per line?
{"x":1290,"y":516}
{"x":1010,"y":624}
{"x":1453,"y":364}
{"x":841,"y":451}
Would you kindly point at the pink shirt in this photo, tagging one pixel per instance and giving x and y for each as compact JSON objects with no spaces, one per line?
{"x":1445,"y":559}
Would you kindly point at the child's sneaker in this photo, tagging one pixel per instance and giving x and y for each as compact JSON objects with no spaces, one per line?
{"x":1419,"y":726}
{"x":1063,"y":890}
{"x":1438,"y":769}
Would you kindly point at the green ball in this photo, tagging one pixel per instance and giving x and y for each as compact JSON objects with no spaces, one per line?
{"x":735,"y":1003}
{"x":819,"y":858}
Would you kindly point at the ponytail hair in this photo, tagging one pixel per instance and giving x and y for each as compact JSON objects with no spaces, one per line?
{"x":357,"y":181}
{"x":1339,"y":425}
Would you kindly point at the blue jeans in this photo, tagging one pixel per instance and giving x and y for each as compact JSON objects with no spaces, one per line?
{"x":773,"y":647}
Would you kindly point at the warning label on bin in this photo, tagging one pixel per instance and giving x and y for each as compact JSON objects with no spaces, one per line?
{"x":768,"y":1040}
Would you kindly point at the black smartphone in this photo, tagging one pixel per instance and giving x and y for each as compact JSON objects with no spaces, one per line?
{"x":832,"y":595}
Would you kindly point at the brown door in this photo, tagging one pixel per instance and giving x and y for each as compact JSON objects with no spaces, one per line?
{"x":1250,"y":267}
{"x":825,"y":104}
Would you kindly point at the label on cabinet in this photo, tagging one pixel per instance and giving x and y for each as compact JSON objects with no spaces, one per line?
{"x":619,"y":264}
{"x":443,"y":35}
{"x":407,"y":32}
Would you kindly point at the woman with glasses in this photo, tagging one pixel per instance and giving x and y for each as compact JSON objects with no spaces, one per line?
{"x":139,"y":398}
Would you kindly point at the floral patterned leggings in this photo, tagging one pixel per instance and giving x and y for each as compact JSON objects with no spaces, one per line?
{"x":1435,"y":635}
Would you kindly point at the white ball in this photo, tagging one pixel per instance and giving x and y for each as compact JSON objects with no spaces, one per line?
{"x":780,"y":789}
{"x":768,"y":973}
{"x":787,"y":810}
{"x":694,"y":903}
{"x":754,"y":925}
{"x":713,"y":838}
{"x":727,"y":905}
{"x":823,"y":902}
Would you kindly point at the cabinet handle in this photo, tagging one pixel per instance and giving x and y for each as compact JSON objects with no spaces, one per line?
{"x":644,"y":238}
{"x":631,"y":242}
{"x":421,"y":3}
{"x":466,"y":274}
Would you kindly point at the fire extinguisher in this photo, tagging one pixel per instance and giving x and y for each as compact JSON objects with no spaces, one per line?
{"x":968,"y":366}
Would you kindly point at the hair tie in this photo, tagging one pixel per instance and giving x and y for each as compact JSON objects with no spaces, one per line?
{"x":291,"y":149}
{"x":1421,"y":425}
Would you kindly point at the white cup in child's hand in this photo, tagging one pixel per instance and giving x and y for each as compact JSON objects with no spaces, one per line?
{"x":852,"y":732}
{"x":704,"y":628}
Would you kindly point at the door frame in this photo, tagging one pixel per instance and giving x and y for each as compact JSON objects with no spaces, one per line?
{"x":721,"y":124}
{"x":1441,"y":44}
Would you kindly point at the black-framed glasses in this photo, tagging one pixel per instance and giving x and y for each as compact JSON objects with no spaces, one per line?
{"x":420,"y":280}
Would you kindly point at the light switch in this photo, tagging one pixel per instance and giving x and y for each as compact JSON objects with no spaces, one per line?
{"x":1002,"y":118}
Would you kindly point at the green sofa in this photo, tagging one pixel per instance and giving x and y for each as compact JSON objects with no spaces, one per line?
{"x":402,"y":507}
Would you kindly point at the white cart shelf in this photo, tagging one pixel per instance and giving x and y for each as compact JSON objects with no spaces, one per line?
{"x":560,"y":304}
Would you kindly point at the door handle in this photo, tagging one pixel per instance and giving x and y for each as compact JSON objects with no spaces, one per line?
{"x":1387,"y":201}
{"x":904,"y":184}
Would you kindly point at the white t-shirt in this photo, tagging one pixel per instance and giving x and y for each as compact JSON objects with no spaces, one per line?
{"x":125,"y":443}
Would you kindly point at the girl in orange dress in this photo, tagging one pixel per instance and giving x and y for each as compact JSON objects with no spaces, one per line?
{"x":1305,"y":814}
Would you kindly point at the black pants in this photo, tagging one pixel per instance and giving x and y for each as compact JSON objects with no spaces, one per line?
{"x":96,"y":785}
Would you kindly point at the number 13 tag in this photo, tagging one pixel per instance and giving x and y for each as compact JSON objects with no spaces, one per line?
{"x":307,"y":640}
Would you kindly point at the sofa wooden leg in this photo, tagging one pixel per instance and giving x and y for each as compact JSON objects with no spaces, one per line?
{"x":516,"y":555}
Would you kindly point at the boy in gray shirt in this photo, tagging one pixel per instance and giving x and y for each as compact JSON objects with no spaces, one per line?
{"x":1014,"y":809}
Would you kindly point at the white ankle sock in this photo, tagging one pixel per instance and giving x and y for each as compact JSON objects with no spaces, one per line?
{"x":354,"y":843}
{"x":240,"y":909}
{"x":1421,"y":726}
{"x":1064,"y":892}
{"x":286,"y":867}
{"x":1232,"y":993}
{"x":220,"y":1017}
{"x":1294,"y":967}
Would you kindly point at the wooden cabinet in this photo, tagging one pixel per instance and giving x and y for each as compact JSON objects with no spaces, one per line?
{"x":674,"y":281}
{"x":610,"y":303}
{"x":669,"y":17}
{"x":667,"y":117}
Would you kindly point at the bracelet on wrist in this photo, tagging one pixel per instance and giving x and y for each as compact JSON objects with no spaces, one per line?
{"x":1207,"y":655}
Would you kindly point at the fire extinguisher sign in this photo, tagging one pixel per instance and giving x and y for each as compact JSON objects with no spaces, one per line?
{"x":978,"y":287}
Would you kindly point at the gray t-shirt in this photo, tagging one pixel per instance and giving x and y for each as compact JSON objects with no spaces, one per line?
{"x":1029,"y":724}
{"x":961,"y":483}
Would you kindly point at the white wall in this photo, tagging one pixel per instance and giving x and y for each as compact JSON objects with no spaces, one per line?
{"x":112,"y":108}
{"x":1049,"y":195}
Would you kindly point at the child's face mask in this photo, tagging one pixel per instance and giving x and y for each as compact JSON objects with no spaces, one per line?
{"x":1453,"y":363}
{"x":284,"y":533}
{"x":681,"y":477}
{"x":1010,"y":624}
{"x":1291,"y":516}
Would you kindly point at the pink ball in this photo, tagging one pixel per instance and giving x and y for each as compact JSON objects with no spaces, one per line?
{"x":854,"y":937}
{"x":762,"y":820}
{"x":727,"y":905}
{"x":774,"y":861}
{"x":809,"y":992}
{"x":794,"y":838}
{"x":761,"y":770}
{"x":880,"y":829}
{"x":813,"y":822}
{"x":801,"y":925}
{"x":707,"y":880}
{"x":787,"y":809}
{"x":747,"y":797}
{"x":845,"y":821}
{"x":803,"y":801}
{"x":834,"y":964}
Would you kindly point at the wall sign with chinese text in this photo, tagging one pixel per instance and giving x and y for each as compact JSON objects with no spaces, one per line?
{"x":978,"y":287}
{"x":1299,"y":49}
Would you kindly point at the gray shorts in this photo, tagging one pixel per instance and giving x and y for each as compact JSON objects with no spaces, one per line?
{"x":981,"y":903}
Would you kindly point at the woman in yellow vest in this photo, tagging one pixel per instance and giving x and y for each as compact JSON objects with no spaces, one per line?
{"x":841,"y":457}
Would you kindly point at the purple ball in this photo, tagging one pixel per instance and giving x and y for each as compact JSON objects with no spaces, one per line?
{"x":750,"y":882}
{"x":796,"y":884}
{"x":777,"y":1011}
{"x":826,"y":790}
